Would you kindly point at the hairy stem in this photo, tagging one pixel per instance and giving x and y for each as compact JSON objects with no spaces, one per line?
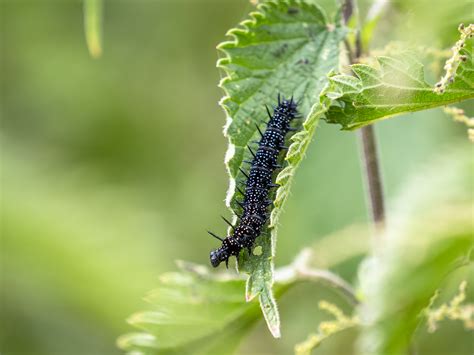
{"x":330,"y":279}
{"x":300,"y":270}
{"x":372,"y":175}
{"x":367,"y":136}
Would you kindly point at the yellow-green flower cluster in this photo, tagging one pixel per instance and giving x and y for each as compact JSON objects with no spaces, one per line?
{"x":458,"y":115}
{"x":327,"y":328}
{"x":454,"y":310}
{"x":452,"y":63}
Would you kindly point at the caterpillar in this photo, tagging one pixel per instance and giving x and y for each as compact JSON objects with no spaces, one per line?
{"x":259,"y":182}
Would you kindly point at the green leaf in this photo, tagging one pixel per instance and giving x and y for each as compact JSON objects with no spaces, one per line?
{"x":93,"y":26}
{"x":190,"y":308}
{"x":429,"y":236}
{"x":396,"y":86}
{"x":286,"y":47}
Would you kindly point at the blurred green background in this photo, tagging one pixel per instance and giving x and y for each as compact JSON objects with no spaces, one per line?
{"x":113,"y":168}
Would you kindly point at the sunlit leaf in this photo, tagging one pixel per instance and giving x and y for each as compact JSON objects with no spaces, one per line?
{"x":286,"y":47}
{"x":395,"y":86}
{"x":194,"y":312}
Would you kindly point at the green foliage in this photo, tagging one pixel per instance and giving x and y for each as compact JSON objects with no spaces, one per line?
{"x":197,"y":311}
{"x":290,"y":47}
{"x":74,"y":211}
{"x":395,"y":87}
{"x":429,"y":235}
{"x":286,"y":47}
{"x":189,"y":308}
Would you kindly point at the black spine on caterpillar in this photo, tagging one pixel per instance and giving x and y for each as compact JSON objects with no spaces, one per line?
{"x":258,"y":185}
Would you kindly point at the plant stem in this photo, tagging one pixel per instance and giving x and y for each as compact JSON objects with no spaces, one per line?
{"x":300,"y":270}
{"x":372,"y":175}
{"x":367,"y":136}
{"x":331,"y":279}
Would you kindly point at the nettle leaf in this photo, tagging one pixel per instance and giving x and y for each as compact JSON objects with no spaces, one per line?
{"x":189,"y":308}
{"x":396,"y":86}
{"x":429,"y":236}
{"x":286,"y":47}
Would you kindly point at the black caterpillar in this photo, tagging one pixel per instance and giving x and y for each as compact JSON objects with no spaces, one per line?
{"x":258,"y":185}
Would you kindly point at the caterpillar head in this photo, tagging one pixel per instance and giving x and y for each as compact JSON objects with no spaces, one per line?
{"x":219,"y":255}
